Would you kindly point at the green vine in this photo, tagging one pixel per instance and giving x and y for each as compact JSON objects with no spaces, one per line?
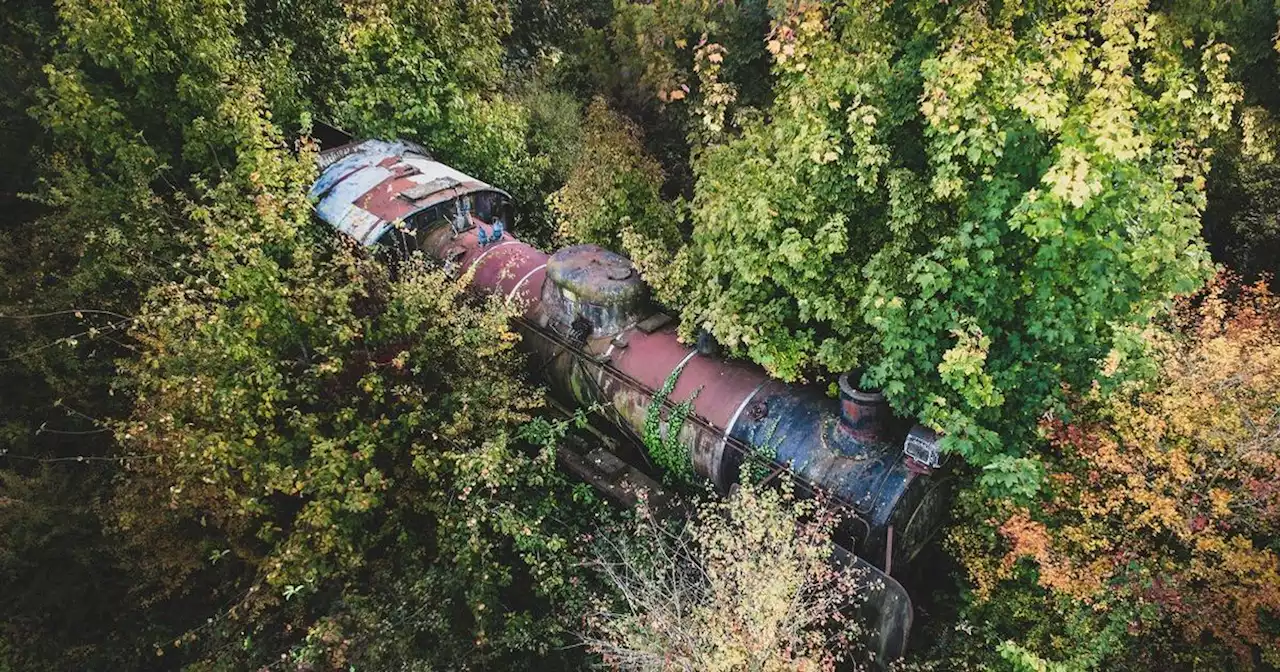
{"x":761,"y":457}
{"x":665,"y":448}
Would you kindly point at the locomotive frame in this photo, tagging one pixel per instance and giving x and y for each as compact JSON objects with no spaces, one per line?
{"x":598,"y":342}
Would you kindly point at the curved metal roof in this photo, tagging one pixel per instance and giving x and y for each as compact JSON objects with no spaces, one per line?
{"x":366,"y":186}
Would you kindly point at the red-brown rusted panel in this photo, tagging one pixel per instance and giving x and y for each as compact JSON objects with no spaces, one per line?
{"x":525,"y":289}
{"x":500,"y":267}
{"x":723,"y":387}
{"x":384,"y":199}
{"x":384,"y":202}
{"x":362,"y":188}
{"x":650,"y":358}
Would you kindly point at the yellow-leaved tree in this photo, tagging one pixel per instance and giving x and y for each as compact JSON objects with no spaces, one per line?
{"x":1159,"y":521}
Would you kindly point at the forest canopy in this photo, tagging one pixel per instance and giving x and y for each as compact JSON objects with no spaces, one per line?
{"x":231,"y":439}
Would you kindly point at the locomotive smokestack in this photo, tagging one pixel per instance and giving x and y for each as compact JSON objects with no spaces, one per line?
{"x":864,"y":414}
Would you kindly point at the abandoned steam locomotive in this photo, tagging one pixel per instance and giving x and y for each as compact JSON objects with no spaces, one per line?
{"x":596,"y":341}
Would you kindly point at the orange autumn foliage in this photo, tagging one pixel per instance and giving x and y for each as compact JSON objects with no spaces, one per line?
{"x":1164,"y":498}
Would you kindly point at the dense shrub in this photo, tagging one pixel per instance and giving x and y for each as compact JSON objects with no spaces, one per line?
{"x":614,"y":188}
{"x":128,"y":107}
{"x":1242,"y":220}
{"x":67,"y":583}
{"x":969,"y":201}
{"x":1154,"y":543}
{"x":1242,"y":223}
{"x":310,"y":460}
{"x":335,"y":436}
{"x":746,"y":585}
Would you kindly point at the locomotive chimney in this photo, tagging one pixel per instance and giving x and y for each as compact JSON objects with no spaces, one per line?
{"x":864,"y":415}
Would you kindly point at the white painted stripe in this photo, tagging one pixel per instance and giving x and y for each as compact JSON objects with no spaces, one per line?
{"x":339,"y":205}
{"x":515,"y":290}
{"x":605,"y":360}
{"x":738,"y":413}
{"x":684,"y":361}
{"x":673,"y":387}
{"x":484,"y":254}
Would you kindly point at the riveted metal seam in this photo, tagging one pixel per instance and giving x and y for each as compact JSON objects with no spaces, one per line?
{"x":733,"y":421}
{"x":604,"y":361}
{"x":515,"y":290}
{"x":683,"y":362}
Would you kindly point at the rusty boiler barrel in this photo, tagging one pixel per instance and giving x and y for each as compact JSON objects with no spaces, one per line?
{"x":595,"y":339}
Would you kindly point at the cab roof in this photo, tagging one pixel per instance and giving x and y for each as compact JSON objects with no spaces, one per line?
{"x":365,"y":187}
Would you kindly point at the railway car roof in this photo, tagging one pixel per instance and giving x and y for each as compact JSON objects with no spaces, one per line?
{"x":364,"y":187}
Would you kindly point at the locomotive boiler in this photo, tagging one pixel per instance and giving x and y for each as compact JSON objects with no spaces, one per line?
{"x":596,"y":340}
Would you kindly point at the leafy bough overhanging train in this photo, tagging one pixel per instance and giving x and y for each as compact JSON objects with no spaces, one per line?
{"x":595,"y":339}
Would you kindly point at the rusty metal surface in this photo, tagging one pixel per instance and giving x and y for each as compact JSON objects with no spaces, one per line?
{"x":509,"y":268}
{"x":591,"y":283}
{"x":738,"y":411}
{"x":361,"y":192}
{"x":886,"y":611}
{"x":866,"y":416}
{"x":596,"y":274}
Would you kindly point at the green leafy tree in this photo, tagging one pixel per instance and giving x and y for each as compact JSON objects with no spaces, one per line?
{"x":971,"y":201}
{"x":614,"y":188}
{"x":171,"y":269}
{"x":432,"y":72}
